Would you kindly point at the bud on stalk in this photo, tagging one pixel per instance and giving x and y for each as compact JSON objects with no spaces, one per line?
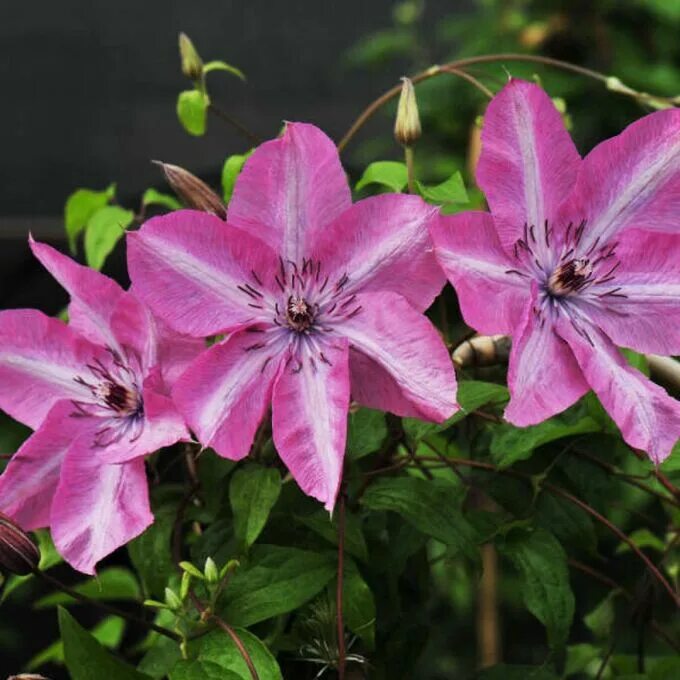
{"x":407,"y":128}
{"x":192,"y":64}
{"x":18,"y":554}
{"x":194,"y":192}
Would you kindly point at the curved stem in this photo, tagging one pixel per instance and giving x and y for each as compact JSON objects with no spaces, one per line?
{"x":338,"y":594}
{"x":250,"y":136}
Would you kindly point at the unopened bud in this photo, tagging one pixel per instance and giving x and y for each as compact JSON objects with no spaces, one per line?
{"x":407,"y":126}
{"x":18,"y":553}
{"x":192,"y":64}
{"x":212,"y":576}
{"x":194,"y":192}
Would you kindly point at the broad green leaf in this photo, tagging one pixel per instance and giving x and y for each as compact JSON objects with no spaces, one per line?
{"x":321,"y":523}
{"x":504,"y":671}
{"x":570,"y":524}
{"x":510,"y":444}
{"x":230,"y":172}
{"x":542,"y":564}
{"x":277,"y":581}
{"x":358,"y":605}
{"x":431,"y":506}
{"x":114,"y":583}
{"x":223,"y":66}
{"x":216,"y":650}
{"x":390,"y":174}
{"x":366,"y":431}
{"x":154,"y":197}
{"x":86,"y":658}
{"x":104,"y":229}
{"x":579,"y":657}
{"x":450,"y":191}
{"x":163,"y":653}
{"x":472,"y":394}
{"x":80,"y":206}
{"x":192,"y":110}
{"x":253,"y":490}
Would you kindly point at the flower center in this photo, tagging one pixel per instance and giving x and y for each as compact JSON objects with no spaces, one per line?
{"x":570,"y":277}
{"x":299,"y":313}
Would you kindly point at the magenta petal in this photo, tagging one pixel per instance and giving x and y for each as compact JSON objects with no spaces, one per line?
{"x":93,"y":295}
{"x":225,"y":393}
{"x":491,"y":287}
{"x":631,"y":180}
{"x":648,"y":418}
{"x":40,"y":359}
{"x":289,"y":190}
{"x":188,"y":266}
{"x":97,"y":507}
{"x":383,"y":243}
{"x":309,"y":420}
{"x":528,"y":162}
{"x":135,"y":329}
{"x":405,"y":345}
{"x":28,"y":484}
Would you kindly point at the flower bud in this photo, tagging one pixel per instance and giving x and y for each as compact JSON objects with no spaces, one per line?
{"x":18,"y":553}
{"x":407,"y":126}
{"x":212,"y":576}
{"x":192,"y":64}
{"x":194,"y":192}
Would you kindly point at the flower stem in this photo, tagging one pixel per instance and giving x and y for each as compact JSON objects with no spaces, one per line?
{"x":223,"y":115}
{"x":410,"y":171}
{"x":341,"y":567}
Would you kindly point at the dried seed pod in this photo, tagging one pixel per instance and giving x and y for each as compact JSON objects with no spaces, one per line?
{"x":18,"y":553}
{"x":194,"y":192}
{"x":407,"y":128}
{"x":482,"y":350}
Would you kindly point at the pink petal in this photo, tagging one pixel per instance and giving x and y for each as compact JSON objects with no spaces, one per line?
{"x":225,"y":393}
{"x":93,"y":295}
{"x":30,"y":479}
{"x":528,"y":162}
{"x":309,"y":420}
{"x":97,"y":507}
{"x":491,"y":286}
{"x":406,"y":346}
{"x":644,"y":311}
{"x":382,"y":243}
{"x":40,"y":359}
{"x":187,"y":266}
{"x":648,"y":418}
{"x":632,"y":180}
{"x":289,"y":190}
{"x":543,"y":375}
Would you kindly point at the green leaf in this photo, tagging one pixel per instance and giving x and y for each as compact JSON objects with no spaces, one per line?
{"x":504,"y":671}
{"x":223,"y":66}
{"x":321,"y":523}
{"x":390,"y":174}
{"x":510,"y":444}
{"x":642,"y":538}
{"x":217,"y":650}
{"x":80,"y":206}
{"x":542,"y":564}
{"x":154,"y":197}
{"x":104,"y":229}
{"x":277,"y":581}
{"x":358,"y":605}
{"x":472,"y":394}
{"x":570,"y":524}
{"x":366,"y":431}
{"x":86,"y":658}
{"x":601,"y":619}
{"x":114,"y":583}
{"x":230,"y":171}
{"x":450,"y":191}
{"x":192,"y":110}
{"x":253,"y":490}
{"x":163,"y":653}
{"x":431,"y":506}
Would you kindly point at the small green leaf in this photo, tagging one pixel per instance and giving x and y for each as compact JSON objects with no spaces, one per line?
{"x":450,"y":191}
{"x":153,"y":197}
{"x":390,"y":174}
{"x":601,"y":619}
{"x":80,"y":206}
{"x":366,"y":431}
{"x":223,"y":66}
{"x":230,"y":172}
{"x":358,"y":605}
{"x":86,"y":658}
{"x":104,"y":229}
{"x":253,"y":490}
{"x":542,"y":564}
{"x":642,"y":538}
{"x":191,"y":569}
{"x":192,"y":109}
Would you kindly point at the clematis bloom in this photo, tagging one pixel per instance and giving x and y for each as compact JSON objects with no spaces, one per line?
{"x":315,"y":294}
{"x":576,"y":257}
{"x":95,"y":390}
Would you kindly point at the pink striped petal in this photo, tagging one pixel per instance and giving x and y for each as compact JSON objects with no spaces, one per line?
{"x":289,"y":190}
{"x":528,"y":162}
{"x":309,"y":420}
{"x":631,"y":180}
{"x":405,"y":346}
{"x":188,"y":266}
{"x":383,"y":243}
{"x":492,"y":287}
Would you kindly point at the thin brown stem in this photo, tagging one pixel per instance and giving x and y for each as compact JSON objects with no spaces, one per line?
{"x":250,"y":136}
{"x":470,"y":78}
{"x":338,"y":594}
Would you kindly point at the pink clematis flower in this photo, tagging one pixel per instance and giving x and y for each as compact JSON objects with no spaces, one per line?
{"x":95,"y":391}
{"x":576,"y":257}
{"x":315,"y":294}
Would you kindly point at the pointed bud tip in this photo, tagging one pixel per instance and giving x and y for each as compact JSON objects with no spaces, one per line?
{"x":407,"y":128}
{"x":194,"y":192}
{"x":18,"y":554}
{"x":192,"y":64}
